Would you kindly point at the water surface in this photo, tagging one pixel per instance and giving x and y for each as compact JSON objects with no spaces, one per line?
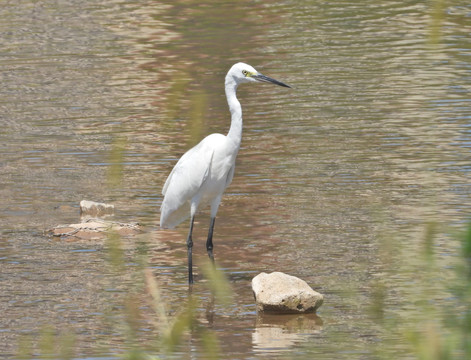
{"x":100,"y":100}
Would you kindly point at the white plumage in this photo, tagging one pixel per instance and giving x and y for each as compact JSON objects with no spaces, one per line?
{"x":199,"y":178}
{"x":206,"y":170}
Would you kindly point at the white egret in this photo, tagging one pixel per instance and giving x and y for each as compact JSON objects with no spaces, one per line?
{"x":204,"y":172}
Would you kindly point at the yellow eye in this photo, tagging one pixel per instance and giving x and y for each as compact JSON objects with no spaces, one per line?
{"x":245,"y":72}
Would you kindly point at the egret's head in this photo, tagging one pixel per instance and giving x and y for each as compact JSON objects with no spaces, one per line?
{"x":241,"y":73}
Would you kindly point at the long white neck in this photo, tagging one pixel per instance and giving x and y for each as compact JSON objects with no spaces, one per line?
{"x":235,"y":132}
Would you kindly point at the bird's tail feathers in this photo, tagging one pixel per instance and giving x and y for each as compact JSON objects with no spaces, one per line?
{"x":170,"y":218}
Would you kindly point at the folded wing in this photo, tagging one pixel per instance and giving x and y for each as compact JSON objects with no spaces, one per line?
{"x":183,"y":184}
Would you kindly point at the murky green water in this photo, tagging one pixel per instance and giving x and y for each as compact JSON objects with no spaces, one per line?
{"x":99,"y":99}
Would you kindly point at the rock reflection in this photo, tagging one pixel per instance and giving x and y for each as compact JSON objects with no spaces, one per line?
{"x":275,"y":333}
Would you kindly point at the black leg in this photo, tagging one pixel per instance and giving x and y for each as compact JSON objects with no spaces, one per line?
{"x":189,"y":244}
{"x":209,"y":242}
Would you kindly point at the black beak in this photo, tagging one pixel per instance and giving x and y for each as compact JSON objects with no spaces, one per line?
{"x":263,"y":78}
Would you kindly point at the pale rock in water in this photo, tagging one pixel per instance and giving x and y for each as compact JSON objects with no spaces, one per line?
{"x":95,"y":209}
{"x":281,"y":293}
{"x":94,"y":229}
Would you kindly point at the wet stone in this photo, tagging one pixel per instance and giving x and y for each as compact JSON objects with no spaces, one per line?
{"x":94,"y":229}
{"x":281,"y":293}
{"x":95,"y":209}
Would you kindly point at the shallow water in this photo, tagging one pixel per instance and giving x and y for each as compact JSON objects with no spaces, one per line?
{"x":100,"y":100}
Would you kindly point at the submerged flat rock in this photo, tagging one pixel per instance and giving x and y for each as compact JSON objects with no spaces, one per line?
{"x":94,"y":229}
{"x":281,"y":293}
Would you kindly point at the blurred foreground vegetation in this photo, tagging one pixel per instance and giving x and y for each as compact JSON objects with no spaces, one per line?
{"x":444,"y":328}
{"x":435,"y":322}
